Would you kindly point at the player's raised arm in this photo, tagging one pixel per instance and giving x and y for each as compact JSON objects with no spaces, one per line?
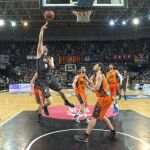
{"x":40,"y":43}
{"x":120,"y":76}
{"x":75,"y":81}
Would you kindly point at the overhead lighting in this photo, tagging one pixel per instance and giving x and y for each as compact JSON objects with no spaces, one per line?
{"x":2,"y":22}
{"x":13,"y":23}
{"x":25,"y":23}
{"x":136,"y":21}
{"x":124,"y":22}
{"x":112,"y":22}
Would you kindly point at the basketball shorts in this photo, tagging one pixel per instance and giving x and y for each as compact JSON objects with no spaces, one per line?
{"x":113,"y":89}
{"x":124,"y":87}
{"x":101,"y":107}
{"x":49,"y":83}
{"x":81,"y":95}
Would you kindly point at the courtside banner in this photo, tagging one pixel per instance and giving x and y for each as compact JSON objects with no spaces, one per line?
{"x":19,"y":88}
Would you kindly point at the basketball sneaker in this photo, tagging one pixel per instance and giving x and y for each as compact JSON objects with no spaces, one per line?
{"x":39,"y":117}
{"x":67,"y":103}
{"x":76,"y":118}
{"x":81,"y":138}
{"x":87,"y":110}
{"x":113,"y":135}
{"x":116,"y":110}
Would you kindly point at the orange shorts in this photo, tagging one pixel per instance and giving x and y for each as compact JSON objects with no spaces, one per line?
{"x":81,"y":95}
{"x":38,"y":95}
{"x":102,"y":106}
{"x":113,"y":89}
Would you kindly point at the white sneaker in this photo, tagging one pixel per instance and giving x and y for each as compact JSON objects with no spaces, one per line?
{"x":87,"y":110}
{"x":76,"y":118}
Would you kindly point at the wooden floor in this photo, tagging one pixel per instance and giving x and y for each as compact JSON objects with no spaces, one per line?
{"x":11,"y":104}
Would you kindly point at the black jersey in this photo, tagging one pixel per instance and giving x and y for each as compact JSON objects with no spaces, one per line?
{"x":125,"y":77}
{"x":43,"y":68}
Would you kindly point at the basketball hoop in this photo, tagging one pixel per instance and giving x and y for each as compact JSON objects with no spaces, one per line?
{"x":70,"y":67}
{"x":83,"y":16}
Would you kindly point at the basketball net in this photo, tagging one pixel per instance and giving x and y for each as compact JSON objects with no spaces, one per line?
{"x":83,"y":16}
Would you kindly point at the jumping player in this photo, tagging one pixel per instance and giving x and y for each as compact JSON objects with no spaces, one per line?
{"x":44,"y":75}
{"x":112,"y":79}
{"x":125,"y":83}
{"x":79,"y":84}
{"x":101,"y":87}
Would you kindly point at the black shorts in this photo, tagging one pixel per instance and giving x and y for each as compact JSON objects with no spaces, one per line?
{"x":49,"y":83}
{"x":123,"y":87}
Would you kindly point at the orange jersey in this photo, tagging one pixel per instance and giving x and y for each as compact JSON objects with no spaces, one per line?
{"x":81,"y":83}
{"x":104,"y":88}
{"x":80,"y":89}
{"x":112,"y":77}
{"x":104,"y":99}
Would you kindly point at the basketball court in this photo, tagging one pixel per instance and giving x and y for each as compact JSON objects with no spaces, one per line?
{"x":19,"y":126}
{"x":20,"y":130}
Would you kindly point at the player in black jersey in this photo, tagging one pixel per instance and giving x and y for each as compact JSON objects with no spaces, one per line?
{"x":44,"y":75}
{"x":125,"y":83}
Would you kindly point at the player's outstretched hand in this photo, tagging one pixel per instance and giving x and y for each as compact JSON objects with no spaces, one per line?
{"x":44,"y":26}
{"x":52,"y":59}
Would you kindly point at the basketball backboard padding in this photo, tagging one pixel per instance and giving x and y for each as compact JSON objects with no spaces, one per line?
{"x":85,"y":3}
{"x":73,"y":3}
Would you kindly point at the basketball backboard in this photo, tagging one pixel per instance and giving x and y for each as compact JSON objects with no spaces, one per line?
{"x":73,"y":3}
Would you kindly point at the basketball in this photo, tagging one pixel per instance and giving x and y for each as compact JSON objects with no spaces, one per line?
{"x":49,"y":15}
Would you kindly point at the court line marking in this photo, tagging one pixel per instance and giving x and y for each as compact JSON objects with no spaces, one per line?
{"x":10,"y":118}
{"x":141,"y":113}
{"x":59,"y":131}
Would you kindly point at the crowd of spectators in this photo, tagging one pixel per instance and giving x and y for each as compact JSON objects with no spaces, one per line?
{"x":137,"y":51}
{"x":121,"y":53}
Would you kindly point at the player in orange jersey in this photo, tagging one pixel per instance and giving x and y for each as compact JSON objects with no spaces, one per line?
{"x":100,"y":86}
{"x":38,"y":96}
{"x":112,"y":75}
{"x":79,"y":84}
